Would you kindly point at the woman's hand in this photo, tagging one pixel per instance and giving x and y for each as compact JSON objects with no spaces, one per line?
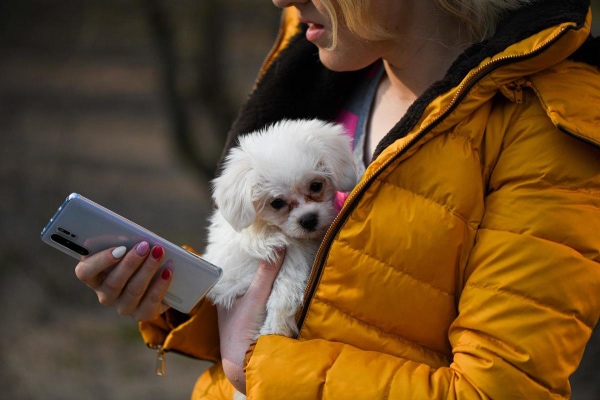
{"x":124,"y":280}
{"x":240,"y":325}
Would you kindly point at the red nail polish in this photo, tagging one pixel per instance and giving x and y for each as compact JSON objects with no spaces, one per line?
{"x":157,"y":252}
{"x":166,"y":274}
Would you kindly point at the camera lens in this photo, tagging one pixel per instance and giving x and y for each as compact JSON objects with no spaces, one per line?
{"x":69,"y":244}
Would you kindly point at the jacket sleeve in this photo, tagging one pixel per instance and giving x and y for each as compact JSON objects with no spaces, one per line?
{"x":195,"y":335}
{"x":530,"y":297}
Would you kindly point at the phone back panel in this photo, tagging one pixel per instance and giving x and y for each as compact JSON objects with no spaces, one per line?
{"x":81,"y":227}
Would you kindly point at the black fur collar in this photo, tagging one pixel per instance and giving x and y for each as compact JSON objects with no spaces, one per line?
{"x":297,"y":85}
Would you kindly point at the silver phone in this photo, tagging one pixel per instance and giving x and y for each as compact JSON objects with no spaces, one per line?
{"x":81,"y":227}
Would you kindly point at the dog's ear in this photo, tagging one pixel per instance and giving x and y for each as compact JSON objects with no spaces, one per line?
{"x":232,"y":190}
{"x":336,"y":155}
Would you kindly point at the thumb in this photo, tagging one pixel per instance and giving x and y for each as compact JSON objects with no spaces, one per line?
{"x":262,"y":283}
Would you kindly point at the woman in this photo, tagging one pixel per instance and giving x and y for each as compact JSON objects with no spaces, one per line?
{"x":465,"y":262}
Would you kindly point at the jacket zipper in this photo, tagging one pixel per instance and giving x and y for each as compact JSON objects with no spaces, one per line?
{"x":161,"y":361}
{"x":161,"y":357}
{"x":461,"y":91}
{"x":517,"y":88}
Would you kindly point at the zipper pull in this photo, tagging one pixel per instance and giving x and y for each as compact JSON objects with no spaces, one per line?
{"x":160,"y":361}
{"x":518,"y":90}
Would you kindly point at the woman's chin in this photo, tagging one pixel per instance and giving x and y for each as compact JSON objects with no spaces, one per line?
{"x":337,"y":62}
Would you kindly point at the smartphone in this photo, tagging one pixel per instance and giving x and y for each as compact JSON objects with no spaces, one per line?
{"x":81,"y":228}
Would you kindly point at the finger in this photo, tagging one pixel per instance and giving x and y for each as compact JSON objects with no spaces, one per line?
{"x":92,"y":270}
{"x":137,"y":285}
{"x":152,"y":303}
{"x":239,"y":326}
{"x":248,"y":310}
{"x":112,"y":286}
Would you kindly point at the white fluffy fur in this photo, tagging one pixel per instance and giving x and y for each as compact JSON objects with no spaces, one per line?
{"x":280,"y":162}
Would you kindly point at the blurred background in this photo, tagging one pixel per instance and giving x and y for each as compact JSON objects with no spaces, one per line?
{"x":126,"y":102}
{"x":116,"y":100}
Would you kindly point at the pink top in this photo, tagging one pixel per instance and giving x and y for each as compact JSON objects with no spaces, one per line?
{"x":350,"y":121}
{"x":354,"y":116}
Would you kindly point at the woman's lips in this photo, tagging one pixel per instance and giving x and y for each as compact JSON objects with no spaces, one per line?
{"x":314,"y":31}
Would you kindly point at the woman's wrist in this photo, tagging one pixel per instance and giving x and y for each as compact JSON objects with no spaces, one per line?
{"x":235,"y":375}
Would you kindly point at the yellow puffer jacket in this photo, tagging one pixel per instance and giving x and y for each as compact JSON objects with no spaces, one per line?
{"x":466,"y":263}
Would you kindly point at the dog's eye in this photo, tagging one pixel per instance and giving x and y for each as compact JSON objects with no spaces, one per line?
{"x":278,"y":204}
{"x":316,"y":187}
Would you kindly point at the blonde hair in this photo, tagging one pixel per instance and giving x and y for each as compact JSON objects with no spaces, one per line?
{"x":479,"y":16}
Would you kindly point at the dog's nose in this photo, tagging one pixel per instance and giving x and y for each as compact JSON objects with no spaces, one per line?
{"x":309,"y":221}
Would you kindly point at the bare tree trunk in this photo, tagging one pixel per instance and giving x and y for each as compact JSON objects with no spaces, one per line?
{"x":210,"y":62}
{"x":217,"y":103}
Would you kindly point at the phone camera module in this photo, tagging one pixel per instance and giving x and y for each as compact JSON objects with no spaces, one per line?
{"x":66,"y":232}
{"x":63,"y":241}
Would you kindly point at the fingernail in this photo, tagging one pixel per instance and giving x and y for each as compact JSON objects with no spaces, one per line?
{"x":166,"y":274}
{"x":280,"y":250}
{"x":142,"y":249}
{"x":157,"y":252}
{"x":119,"y":252}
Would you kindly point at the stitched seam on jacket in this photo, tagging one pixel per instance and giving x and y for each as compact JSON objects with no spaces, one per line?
{"x":561,"y":187}
{"x":452,"y":212}
{"x":529,"y":299}
{"x":390,"y":266}
{"x":553,"y":241}
{"x":381,"y":331}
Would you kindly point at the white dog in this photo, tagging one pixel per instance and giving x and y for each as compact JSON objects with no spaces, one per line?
{"x":277,"y":190}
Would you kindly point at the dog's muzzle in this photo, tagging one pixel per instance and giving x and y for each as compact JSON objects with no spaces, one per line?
{"x":309,"y":222}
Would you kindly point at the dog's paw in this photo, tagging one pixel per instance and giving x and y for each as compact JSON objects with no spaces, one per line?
{"x":239,"y":396}
{"x":286,"y":328}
